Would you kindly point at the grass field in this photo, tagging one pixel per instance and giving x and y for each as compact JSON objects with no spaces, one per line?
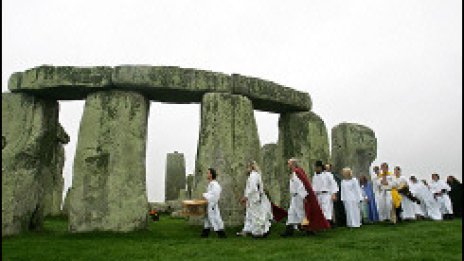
{"x":173,"y":239}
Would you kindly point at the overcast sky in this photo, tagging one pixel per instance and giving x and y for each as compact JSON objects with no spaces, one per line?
{"x":395,"y":66}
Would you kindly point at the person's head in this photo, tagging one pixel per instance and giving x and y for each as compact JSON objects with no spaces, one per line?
{"x":328,"y":167}
{"x":252,"y":165}
{"x":425,"y":182}
{"x":363,"y":180}
{"x":376,"y":169}
{"x":397,"y":171}
{"x":413,"y":179}
{"x":212,"y":174}
{"x":452,"y":180}
{"x":435,"y":177}
{"x":292,"y":163}
{"x":384,"y":167}
{"x":318,"y":166}
{"x":347,"y":173}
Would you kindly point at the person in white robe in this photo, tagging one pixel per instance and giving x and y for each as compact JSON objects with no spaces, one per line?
{"x":408,"y":211}
{"x":428,"y":204}
{"x":258,"y":213}
{"x":351,"y":195}
{"x":385,"y":182}
{"x":413,"y":187}
{"x":298,"y":193}
{"x":325,"y":187}
{"x":440,"y":190}
{"x":213,"y":216}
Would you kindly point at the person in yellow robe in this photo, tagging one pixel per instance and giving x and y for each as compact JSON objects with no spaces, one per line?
{"x":385,"y":183}
{"x":396,"y":196}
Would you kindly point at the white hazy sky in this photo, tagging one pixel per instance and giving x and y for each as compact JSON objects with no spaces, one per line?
{"x":395,"y":66}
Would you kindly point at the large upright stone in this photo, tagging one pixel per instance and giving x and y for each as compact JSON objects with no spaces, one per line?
{"x":302,"y":135}
{"x":272,"y":178}
{"x":53,"y":197}
{"x":29,"y":134}
{"x":228,"y":140}
{"x":65,"y":209}
{"x":108,"y":189}
{"x":353,"y":146}
{"x":175,"y":175}
{"x":190,"y":179}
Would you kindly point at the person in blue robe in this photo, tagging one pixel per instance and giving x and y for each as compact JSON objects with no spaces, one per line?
{"x":366,"y":185}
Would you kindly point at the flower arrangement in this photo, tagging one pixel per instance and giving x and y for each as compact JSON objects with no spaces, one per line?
{"x":154,"y":215}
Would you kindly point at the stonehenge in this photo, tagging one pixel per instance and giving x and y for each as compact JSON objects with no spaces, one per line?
{"x":273,"y":179}
{"x":228,"y":140}
{"x":108,"y":190}
{"x":29,"y":128}
{"x":53,"y":197}
{"x":159,"y":83}
{"x":175,"y":175}
{"x":353,"y":146}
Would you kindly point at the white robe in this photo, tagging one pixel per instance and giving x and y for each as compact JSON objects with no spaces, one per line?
{"x":324,"y":185}
{"x":429,"y":205}
{"x":418,"y":211}
{"x":351,"y":195}
{"x":296,"y":211}
{"x":444,"y":200}
{"x":385,"y":203}
{"x":213,"y":218}
{"x":258,"y":206}
{"x":375,"y":189}
{"x":407,"y":205}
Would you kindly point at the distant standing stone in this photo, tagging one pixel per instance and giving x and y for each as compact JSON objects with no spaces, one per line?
{"x":175,"y":179}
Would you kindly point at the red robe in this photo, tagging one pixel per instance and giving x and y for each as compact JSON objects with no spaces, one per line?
{"x":313,"y":211}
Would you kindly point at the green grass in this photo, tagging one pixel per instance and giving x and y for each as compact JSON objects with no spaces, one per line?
{"x":173,"y":239}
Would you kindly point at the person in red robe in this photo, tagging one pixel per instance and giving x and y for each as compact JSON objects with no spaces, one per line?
{"x":304,"y":210}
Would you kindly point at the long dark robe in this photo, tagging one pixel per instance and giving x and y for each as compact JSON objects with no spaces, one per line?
{"x":456,"y":198}
{"x":313,"y":211}
{"x":339,"y":208}
{"x":372,"y":206}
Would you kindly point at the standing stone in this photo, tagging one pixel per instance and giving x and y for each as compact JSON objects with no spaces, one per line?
{"x":269,"y":171}
{"x":54,"y":186}
{"x":65,"y":209}
{"x":190,"y":178}
{"x":175,"y":175}
{"x":29,"y":133}
{"x":108,"y":189}
{"x":228,"y":140}
{"x":302,"y":135}
{"x":353,"y":146}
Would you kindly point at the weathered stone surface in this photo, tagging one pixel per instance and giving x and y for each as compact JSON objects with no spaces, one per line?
{"x":170,"y":83}
{"x":269,"y":96}
{"x":175,"y":175}
{"x":228,"y":140}
{"x":271,"y":176}
{"x":61,"y":82}
{"x":55,"y":182}
{"x":65,"y":209}
{"x":190,"y":180}
{"x":302,"y":135}
{"x":29,"y":131}
{"x":353,"y":146}
{"x":159,"y":83}
{"x":108,"y":191}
